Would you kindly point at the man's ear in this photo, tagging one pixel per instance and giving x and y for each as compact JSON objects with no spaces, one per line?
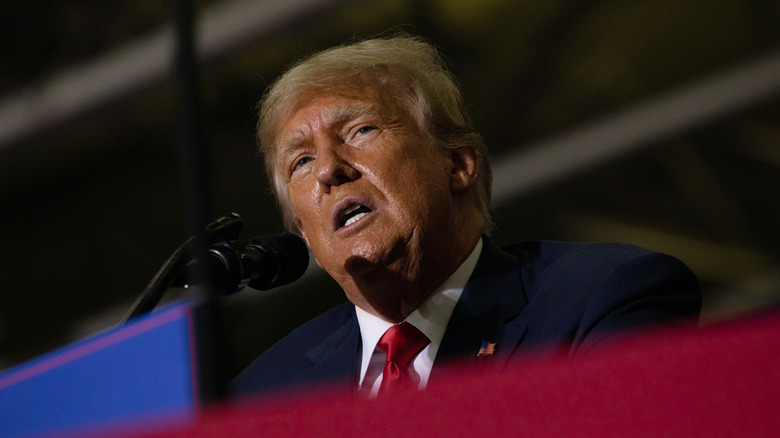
{"x":299,"y":227}
{"x":301,"y":231}
{"x":465,"y":169}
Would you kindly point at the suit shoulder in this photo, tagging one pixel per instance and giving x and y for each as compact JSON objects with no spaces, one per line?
{"x":587,"y":292}
{"x":291,"y":362}
{"x":583,"y":264}
{"x":551,"y":251}
{"x":313,"y":331}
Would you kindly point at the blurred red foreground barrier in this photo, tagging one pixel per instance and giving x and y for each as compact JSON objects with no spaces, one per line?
{"x":722,"y":380}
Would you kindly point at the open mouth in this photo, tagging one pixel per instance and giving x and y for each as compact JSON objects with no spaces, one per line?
{"x":352,"y":214}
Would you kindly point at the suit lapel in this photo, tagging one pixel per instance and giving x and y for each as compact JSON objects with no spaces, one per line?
{"x":487,"y":311}
{"x":335,"y":358}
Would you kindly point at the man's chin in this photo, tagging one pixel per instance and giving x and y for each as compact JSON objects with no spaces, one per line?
{"x":368,"y":253}
{"x":361,"y":266}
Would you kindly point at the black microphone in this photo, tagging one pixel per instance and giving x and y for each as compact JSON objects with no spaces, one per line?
{"x":264,"y":263}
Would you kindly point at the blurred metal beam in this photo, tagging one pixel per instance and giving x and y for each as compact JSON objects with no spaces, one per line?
{"x":141,"y":64}
{"x":756,"y":293}
{"x":640,"y":126}
{"x":227,"y":26}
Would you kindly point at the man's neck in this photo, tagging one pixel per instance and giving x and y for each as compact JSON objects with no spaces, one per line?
{"x":393,"y":297}
{"x":431,"y":318}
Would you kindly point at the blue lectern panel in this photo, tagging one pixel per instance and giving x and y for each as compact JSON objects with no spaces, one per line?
{"x":136,"y":376}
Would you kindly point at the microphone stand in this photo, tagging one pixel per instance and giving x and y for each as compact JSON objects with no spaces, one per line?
{"x":192,"y":153}
{"x":224,"y":228}
{"x":265,"y":262}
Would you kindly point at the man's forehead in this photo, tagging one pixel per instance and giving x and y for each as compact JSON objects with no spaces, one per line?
{"x":336,"y":105}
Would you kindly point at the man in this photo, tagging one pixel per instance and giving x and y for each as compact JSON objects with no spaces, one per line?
{"x":375,"y":164}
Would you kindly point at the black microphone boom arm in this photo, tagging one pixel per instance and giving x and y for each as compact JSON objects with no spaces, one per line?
{"x":266,"y":262}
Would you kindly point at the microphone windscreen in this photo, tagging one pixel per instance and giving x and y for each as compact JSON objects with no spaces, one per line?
{"x":285,"y":258}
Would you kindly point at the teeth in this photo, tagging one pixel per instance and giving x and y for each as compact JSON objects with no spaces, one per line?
{"x":352,"y":214}
{"x":350,"y":209}
{"x":354,"y":219}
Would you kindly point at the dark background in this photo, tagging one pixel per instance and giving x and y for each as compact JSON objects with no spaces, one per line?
{"x":92,"y":192}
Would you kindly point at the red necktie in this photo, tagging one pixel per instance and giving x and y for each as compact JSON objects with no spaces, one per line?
{"x":402,"y":342}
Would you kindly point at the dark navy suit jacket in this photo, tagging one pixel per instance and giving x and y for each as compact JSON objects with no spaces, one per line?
{"x":549,"y":298}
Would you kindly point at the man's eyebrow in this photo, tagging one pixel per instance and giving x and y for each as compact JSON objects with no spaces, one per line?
{"x":346,"y":113}
{"x":288,"y":146}
{"x":335,"y":117}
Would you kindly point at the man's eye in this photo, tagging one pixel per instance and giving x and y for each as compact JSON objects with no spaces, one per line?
{"x":301,"y":162}
{"x":365,"y":130}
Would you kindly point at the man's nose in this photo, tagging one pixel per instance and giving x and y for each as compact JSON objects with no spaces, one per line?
{"x":332,"y":167}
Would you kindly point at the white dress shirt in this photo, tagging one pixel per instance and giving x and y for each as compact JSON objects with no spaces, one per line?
{"x":431,"y":318}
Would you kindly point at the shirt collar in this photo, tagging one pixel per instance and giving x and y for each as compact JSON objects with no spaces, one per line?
{"x":431,"y":317}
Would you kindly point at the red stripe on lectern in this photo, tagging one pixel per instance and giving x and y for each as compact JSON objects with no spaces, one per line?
{"x":27,"y":371}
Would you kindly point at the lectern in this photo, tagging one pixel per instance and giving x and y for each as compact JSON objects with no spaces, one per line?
{"x":145,"y":374}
